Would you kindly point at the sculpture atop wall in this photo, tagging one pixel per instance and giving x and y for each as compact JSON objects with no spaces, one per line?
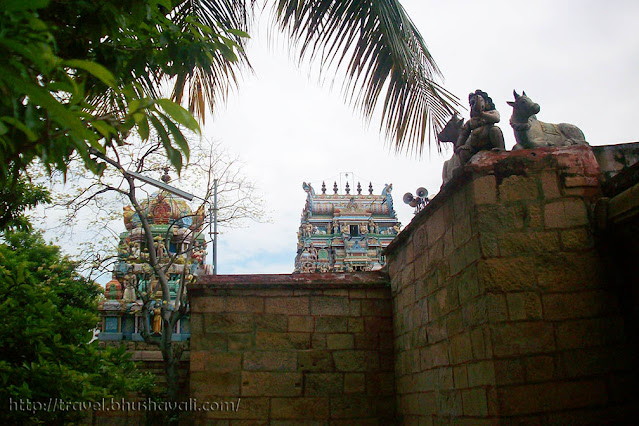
{"x":532,"y":133}
{"x":477,"y":134}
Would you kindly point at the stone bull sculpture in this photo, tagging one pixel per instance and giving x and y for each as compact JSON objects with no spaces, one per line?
{"x":532,"y":133}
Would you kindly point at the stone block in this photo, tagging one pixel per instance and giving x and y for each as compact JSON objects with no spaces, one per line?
{"x":516,"y":188}
{"x":485,"y":190}
{"x":331,"y":324}
{"x":207,"y":304}
{"x":380,"y":383}
{"x":206,"y":386}
{"x":460,"y":348}
{"x":474,"y":402}
{"x":377,"y":307}
{"x":228,"y":323}
{"x":480,"y":341}
{"x":481,"y":374}
{"x":239,"y":341}
{"x":583,"y":304}
{"x":323,"y":384}
{"x":585,"y":333}
{"x":576,"y":239}
{"x":497,"y":307}
{"x":315,"y":360}
{"x":301,"y":323}
{"x":378,"y":293}
{"x":355,"y":325}
{"x":436,"y":226}
{"x":565,"y":213}
{"x":365,"y":341}
{"x":356,"y":361}
{"x":300,"y":408}
{"x":269,"y":361}
{"x":287,"y":305}
{"x":524,"y":306}
{"x":271,"y":384}
{"x":550,"y":396}
{"x":351,"y":406}
{"x":378,"y":324}
{"x":271,"y":322}
{"x":354,"y":382}
{"x":531,"y":242}
{"x":460,"y":376}
{"x":539,"y":368}
{"x":550,"y":184}
{"x":355,"y":307}
{"x":221,"y":361}
{"x":340,"y":341}
{"x":576,"y":271}
{"x":244,"y":304}
{"x":509,"y":371}
{"x":357,"y":294}
{"x":214,"y":342}
{"x":449,"y":403}
{"x":278,"y":341}
{"x":522,"y":338}
{"x":325,"y":305}
{"x":507,"y":274}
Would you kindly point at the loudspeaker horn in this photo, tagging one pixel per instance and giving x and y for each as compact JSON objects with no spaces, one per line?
{"x":422,"y":192}
{"x":408,"y":197}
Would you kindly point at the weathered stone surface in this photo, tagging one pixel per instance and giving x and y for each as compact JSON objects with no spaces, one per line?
{"x":269,"y":361}
{"x":271,"y":384}
{"x":565,"y":213}
{"x":516,"y":188}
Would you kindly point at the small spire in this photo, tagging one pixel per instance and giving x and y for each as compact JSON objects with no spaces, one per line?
{"x":335,"y":187}
{"x":165,"y":177}
{"x":323,"y":188}
{"x":359,"y":189}
{"x":348,"y":188}
{"x":370,"y":188}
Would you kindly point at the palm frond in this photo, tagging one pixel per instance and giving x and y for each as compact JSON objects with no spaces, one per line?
{"x":208,"y":80}
{"x":381,"y":50}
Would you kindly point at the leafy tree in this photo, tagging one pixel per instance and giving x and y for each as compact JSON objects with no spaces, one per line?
{"x":48,"y":316}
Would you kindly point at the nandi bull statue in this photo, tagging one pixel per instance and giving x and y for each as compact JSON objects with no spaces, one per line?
{"x":532,"y":133}
{"x":477,"y":134}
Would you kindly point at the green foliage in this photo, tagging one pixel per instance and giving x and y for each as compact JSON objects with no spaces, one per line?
{"x":84,"y":74}
{"x":48,"y":315}
{"x":16,"y":197}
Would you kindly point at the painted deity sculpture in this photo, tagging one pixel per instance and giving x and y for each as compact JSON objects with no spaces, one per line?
{"x":532,"y":133}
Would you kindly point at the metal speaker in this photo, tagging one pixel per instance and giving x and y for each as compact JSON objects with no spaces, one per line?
{"x":408,"y":197}
{"x":422,"y":192}
{"x":414,"y":203}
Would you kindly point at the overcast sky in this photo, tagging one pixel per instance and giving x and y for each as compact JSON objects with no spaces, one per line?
{"x":577,"y":59}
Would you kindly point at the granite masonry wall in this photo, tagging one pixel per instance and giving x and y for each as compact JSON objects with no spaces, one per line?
{"x":293,"y":349}
{"x":503,"y":310}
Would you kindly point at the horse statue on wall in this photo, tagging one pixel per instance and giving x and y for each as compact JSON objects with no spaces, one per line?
{"x":532,"y":133}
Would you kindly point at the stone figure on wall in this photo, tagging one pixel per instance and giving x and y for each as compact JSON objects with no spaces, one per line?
{"x":532,"y":133}
{"x":479,"y":133}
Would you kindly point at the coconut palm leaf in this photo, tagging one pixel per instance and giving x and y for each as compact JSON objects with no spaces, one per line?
{"x":382,"y":53}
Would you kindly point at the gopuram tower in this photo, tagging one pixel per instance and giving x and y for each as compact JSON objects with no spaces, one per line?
{"x":345,"y":232}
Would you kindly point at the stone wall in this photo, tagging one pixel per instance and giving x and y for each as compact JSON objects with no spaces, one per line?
{"x":294,"y":349}
{"x":503,"y":310}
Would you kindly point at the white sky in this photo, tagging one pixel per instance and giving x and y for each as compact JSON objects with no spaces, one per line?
{"x":577,"y":59}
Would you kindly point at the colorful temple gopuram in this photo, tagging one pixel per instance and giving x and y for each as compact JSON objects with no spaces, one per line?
{"x":174,"y":227}
{"x":345,"y":232}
